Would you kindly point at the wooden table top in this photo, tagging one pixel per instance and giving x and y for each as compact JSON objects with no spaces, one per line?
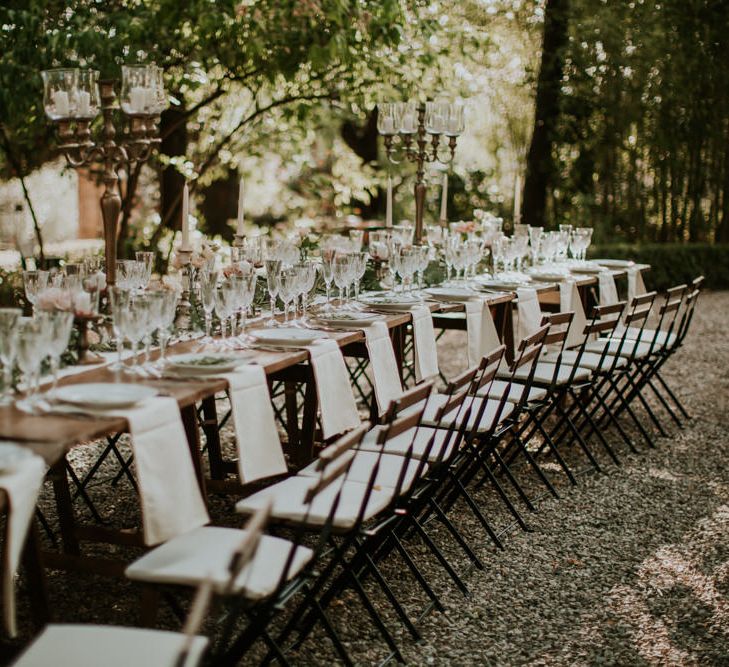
{"x":50,"y":435}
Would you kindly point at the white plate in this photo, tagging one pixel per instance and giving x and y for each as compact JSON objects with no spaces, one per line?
{"x":396,"y":302}
{"x":503,"y":284}
{"x":286,"y":336}
{"x":451,"y":293}
{"x":547,"y":276}
{"x":205,"y":363}
{"x":348,"y":319}
{"x":104,"y":395}
{"x":587,"y":268}
{"x":11,"y":455}
{"x":615,"y":263}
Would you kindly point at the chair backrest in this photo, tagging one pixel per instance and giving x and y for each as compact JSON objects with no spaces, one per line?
{"x":530,"y":348}
{"x":669,"y":312}
{"x":559,"y":325}
{"x":604,"y":321}
{"x":688,"y":310}
{"x":242,"y":556}
{"x":635,"y":319}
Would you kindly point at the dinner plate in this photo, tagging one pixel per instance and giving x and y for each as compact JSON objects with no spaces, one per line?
{"x":104,"y":395}
{"x":587,"y":268}
{"x":451,"y":293}
{"x":615,"y":263}
{"x":548,"y":276}
{"x":503,"y":284}
{"x":286,"y":336}
{"x":391,"y":301}
{"x":11,"y":455}
{"x":205,"y":363}
{"x":345,"y":319}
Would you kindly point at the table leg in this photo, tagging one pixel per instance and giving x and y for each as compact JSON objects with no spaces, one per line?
{"x":308,"y":421}
{"x":504,"y":322}
{"x":64,"y":506}
{"x":37,"y":584}
{"x":212,"y":437}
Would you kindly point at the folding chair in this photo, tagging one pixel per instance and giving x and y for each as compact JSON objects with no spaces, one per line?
{"x":91,"y":645}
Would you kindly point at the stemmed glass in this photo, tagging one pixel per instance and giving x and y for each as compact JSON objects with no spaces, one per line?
{"x":146,"y":260}
{"x":165,"y":323}
{"x":360,"y":267}
{"x":57,"y":326}
{"x":580,"y":242}
{"x":288,"y":289}
{"x":535,"y":238}
{"x":340,"y":271}
{"x":155,"y":300}
{"x":307,"y":276}
{"x":119,"y":298}
{"x":247,"y":287}
{"x":224,"y":302}
{"x":273,"y":269}
{"x":327,"y":272}
{"x":34,"y":282}
{"x":31,"y":350}
{"x":422,"y":259}
{"x":135,"y":322}
{"x":208,"y":285}
{"x":9,"y":318}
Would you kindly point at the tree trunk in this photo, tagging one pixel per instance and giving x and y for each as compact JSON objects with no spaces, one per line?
{"x":540,"y":165}
{"x":362,"y":139}
{"x":172,"y":181}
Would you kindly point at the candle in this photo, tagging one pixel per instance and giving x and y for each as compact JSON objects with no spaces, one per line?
{"x":444,"y":199}
{"x":388,"y":211}
{"x":408,"y":123}
{"x":60,"y":101}
{"x":83,"y":103}
{"x":138,"y":99}
{"x":185,"y":245}
{"x":241,"y":201}
{"x":388,"y":125}
{"x":517,"y":198}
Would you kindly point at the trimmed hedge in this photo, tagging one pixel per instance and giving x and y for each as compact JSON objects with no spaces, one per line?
{"x":674,"y":263}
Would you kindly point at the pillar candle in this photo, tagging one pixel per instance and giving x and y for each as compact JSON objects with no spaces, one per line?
{"x":61,"y":102}
{"x":444,"y":199}
{"x":388,"y":212}
{"x":185,"y":245}
{"x":241,"y":206}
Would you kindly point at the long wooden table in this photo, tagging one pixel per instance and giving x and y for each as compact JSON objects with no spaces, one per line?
{"x":52,"y":436}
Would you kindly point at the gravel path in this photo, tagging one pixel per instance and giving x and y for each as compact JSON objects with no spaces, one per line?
{"x":628,"y":568}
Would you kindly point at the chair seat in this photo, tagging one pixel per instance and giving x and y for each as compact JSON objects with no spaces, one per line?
{"x":205,"y":553}
{"x":111,"y":646}
{"x":498,"y":387}
{"x":441,"y":447}
{"x":486,"y":423}
{"x":627,"y":349}
{"x":595,"y":361}
{"x":544,"y":374}
{"x":388,"y":474}
{"x":662,"y":338}
{"x":288,"y":502}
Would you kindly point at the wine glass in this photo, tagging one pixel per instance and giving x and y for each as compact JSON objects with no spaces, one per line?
{"x":273,"y":269}
{"x":9,"y":318}
{"x":356,"y":238}
{"x":155,"y":299}
{"x":246,"y":295}
{"x":535,"y":238}
{"x":135,"y":323}
{"x":34,"y":282}
{"x":57,"y":326}
{"x":288,"y":289}
{"x":208,"y":285}
{"x":146,"y":259}
{"x":31,"y":350}
{"x":360,"y":267}
{"x":327,"y":272}
{"x":166,"y":321}
{"x":223,"y":308}
{"x":340,"y":271}
{"x":119,"y":298}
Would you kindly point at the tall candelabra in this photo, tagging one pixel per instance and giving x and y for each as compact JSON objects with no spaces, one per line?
{"x":73,"y":98}
{"x":407,"y":126}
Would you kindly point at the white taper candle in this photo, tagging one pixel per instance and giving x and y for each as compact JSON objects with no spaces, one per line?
{"x":239,"y":230}
{"x":388,"y":210}
{"x":185,"y":245}
{"x":444,"y":199}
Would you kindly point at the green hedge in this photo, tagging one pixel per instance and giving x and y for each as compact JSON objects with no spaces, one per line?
{"x":674,"y":263}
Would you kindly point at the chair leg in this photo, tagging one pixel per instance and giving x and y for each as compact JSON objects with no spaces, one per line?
{"x":535,"y":466}
{"x":400,"y":548}
{"x":456,"y":535}
{"x":588,"y":418}
{"x":150,"y":598}
{"x":512,"y":480}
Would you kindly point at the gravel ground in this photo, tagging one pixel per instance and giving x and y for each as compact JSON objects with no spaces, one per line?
{"x":630,"y":567}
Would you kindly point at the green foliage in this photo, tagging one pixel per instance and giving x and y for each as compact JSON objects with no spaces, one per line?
{"x":674,"y":263}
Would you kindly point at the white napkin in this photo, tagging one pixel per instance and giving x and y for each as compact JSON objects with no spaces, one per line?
{"x":336,"y":400}
{"x":259,"y":447}
{"x":636,"y":286}
{"x":168,"y":488}
{"x":22,"y":486}
{"x":385,"y":375}
{"x":481,"y":330}
{"x":529,"y":313}
{"x":569,"y":300}
{"x":608,"y":292}
{"x":426,"y":354}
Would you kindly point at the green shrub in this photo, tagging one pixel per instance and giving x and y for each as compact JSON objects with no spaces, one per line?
{"x":674,"y":263}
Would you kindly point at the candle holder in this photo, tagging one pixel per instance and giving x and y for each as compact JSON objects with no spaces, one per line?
{"x":85,"y":357}
{"x":239,"y":241}
{"x":407,"y":126}
{"x":183,"y":316}
{"x":73,"y":98}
